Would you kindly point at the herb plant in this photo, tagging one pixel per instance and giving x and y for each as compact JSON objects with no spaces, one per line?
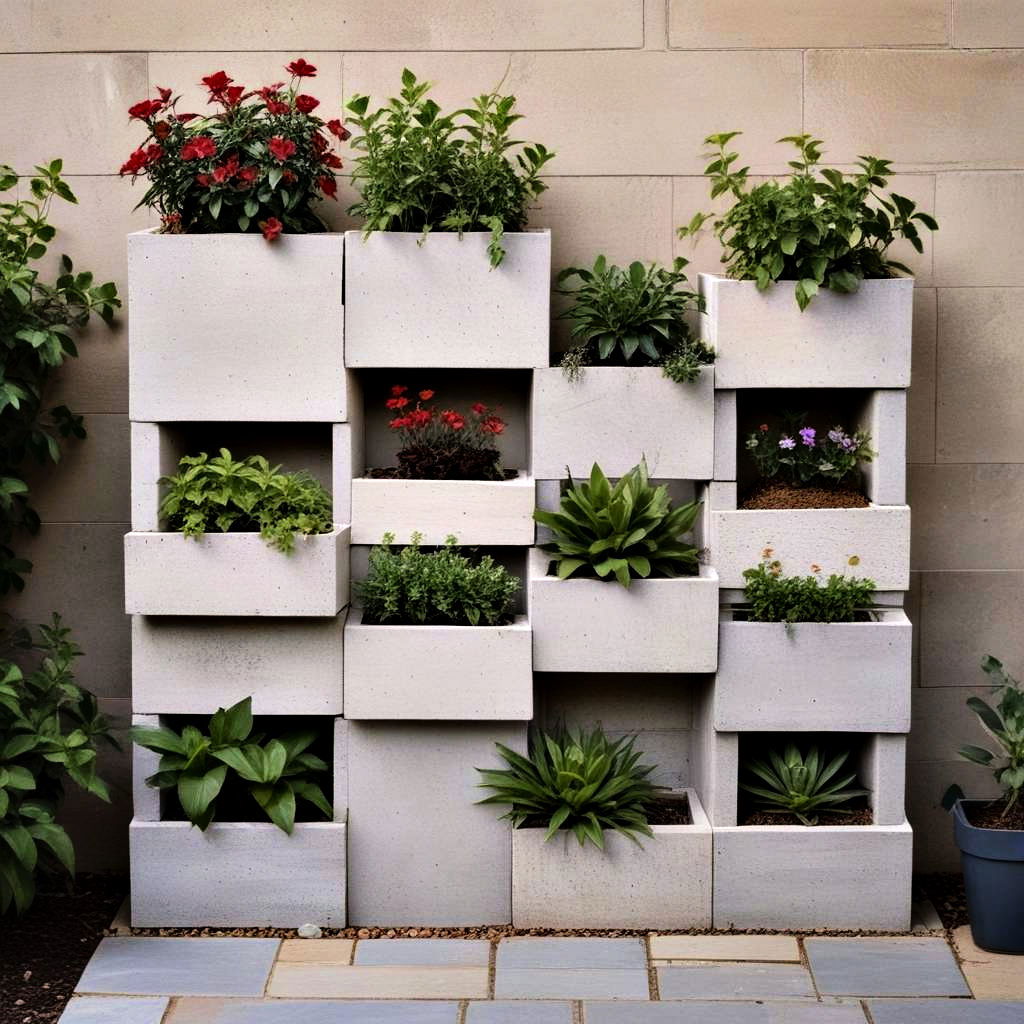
{"x":773,"y":597}
{"x":246,"y":495}
{"x":821,"y":228}
{"x":801,"y":786}
{"x":421,"y":170}
{"x":634,"y":317}
{"x":800,"y":454}
{"x":37,"y":322}
{"x":579,"y":783}
{"x":626,"y":532}
{"x":277,"y":772}
{"x":441,"y":588}
{"x":50,"y":731}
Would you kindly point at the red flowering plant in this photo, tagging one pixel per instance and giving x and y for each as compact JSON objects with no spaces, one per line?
{"x":258,"y":162}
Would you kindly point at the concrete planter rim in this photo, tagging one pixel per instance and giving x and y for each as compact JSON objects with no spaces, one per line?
{"x":157,"y":233}
{"x":990,"y":843}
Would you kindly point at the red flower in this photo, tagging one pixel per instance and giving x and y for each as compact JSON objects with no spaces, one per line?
{"x":398,"y":389}
{"x":271,"y":228}
{"x":493,"y":425}
{"x":763,"y":428}
{"x":399,"y":422}
{"x":336,"y":128}
{"x":135,"y":163}
{"x":268,"y":92}
{"x":396,"y":403}
{"x":426,"y":396}
{"x":232,"y":95}
{"x":453,"y":419}
{"x":479,"y":408}
{"x":198,"y":148}
{"x":204,"y":179}
{"x":280,"y":148}
{"x":165,"y":94}
{"x":328,"y":186}
{"x":289,"y":177}
{"x":153,"y":153}
{"x":248,"y":174}
{"x":306,"y":104}
{"x":320,"y":144}
{"x":171,"y":221}
{"x":277,"y":107}
{"x":217,"y":82}
{"x":301,"y":69}
{"x":332,"y":160}
{"x":145,"y":109}
{"x":419,"y":417}
{"x":226,"y":170}
{"x":185,"y":118}
{"x":161,"y":129}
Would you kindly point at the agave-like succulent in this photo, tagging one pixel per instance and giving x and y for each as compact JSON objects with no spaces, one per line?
{"x":626,"y":532}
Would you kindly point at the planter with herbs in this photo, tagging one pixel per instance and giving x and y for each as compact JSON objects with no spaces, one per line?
{"x":437,"y":638}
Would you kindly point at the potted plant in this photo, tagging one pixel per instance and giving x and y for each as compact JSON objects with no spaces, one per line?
{"x":846,"y":320}
{"x":258,"y":165}
{"x":618,"y":589}
{"x":630,"y":839}
{"x":444,"y":272}
{"x":990,"y":833}
{"x":635,"y":379}
{"x":234,"y":828}
{"x":449,"y":478}
{"x":437,"y":638}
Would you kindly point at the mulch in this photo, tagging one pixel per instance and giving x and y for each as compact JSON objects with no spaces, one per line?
{"x":992,"y":816}
{"x":781,"y":495}
{"x":946,"y":891}
{"x":858,"y":817}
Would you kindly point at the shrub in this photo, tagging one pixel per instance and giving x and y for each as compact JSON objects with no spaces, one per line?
{"x":277,"y":772}
{"x":821,"y":228}
{"x":258,"y":163}
{"x":421,"y":170}
{"x":776,"y":598}
{"x":228,"y":495}
{"x":50,"y":730}
{"x":634,"y":317}
{"x":626,"y":532}
{"x":579,"y":783}
{"x":799,"y":453}
{"x":439,"y":588}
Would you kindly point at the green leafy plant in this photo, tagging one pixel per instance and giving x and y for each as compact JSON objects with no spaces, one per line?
{"x":421,"y":170}
{"x":821,"y":228}
{"x":801,"y":785}
{"x":277,"y":772}
{"x":626,"y":532}
{"x":634,"y":317}
{"x":576,"y":782}
{"x":50,"y":731}
{"x":799,"y":453}
{"x":247,"y":494}
{"x":773,"y":597}
{"x":37,"y":321}
{"x":442,"y":587}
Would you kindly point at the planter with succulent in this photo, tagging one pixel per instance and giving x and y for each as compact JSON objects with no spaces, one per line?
{"x":811,"y":297}
{"x":444,"y":273}
{"x":595,"y":844}
{"x":618,"y":589}
{"x":234,"y":827}
{"x":635,"y":382}
{"x":437,"y":637}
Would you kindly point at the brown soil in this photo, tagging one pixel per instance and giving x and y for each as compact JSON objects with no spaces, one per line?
{"x":458,"y":462}
{"x":991,"y":816}
{"x":946,"y":892}
{"x":781,"y":495}
{"x":669,"y":812}
{"x":857,"y":817}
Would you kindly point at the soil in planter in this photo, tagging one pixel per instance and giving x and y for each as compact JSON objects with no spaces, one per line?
{"x":776,"y":494}
{"x":991,"y":816}
{"x":862,"y":816}
{"x":457,"y":462}
{"x":670,"y":812}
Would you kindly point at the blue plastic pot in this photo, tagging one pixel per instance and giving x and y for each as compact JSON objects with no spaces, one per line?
{"x":993,"y":863}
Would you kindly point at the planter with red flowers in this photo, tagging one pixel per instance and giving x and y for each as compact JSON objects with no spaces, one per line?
{"x":236,"y":299}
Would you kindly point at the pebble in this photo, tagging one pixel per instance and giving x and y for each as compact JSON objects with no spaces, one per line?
{"x":310,"y":931}
{"x":364,"y":933}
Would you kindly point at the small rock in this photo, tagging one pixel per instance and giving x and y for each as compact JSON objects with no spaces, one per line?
{"x":309,"y":931}
{"x":26,"y":975}
{"x":364,"y":933}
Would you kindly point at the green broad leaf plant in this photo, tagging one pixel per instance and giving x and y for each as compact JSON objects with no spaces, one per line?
{"x":820,"y":229}
{"x":277,"y":772}
{"x":583,"y":783}
{"x":620,"y":533}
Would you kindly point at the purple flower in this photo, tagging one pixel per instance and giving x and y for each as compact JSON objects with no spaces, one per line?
{"x":848,"y":444}
{"x":787,"y":442}
{"x":836,"y":435}
{"x":807,"y":435}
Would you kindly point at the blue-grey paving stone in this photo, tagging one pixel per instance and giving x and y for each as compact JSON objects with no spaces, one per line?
{"x":570,"y":983}
{"x":519,"y":1013}
{"x":424,"y":952}
{"x":182,"y":967}
{"x":945,"y":1011}
{"x":735,"y":981}
{"x":115,"y":1010}
{"x":313,"y":1011}
{"x":697,"y":1012}
{"x":528,"y":952}
{"x":885,"y":967}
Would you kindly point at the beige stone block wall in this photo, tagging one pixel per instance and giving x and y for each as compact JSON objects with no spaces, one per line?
{"x":624,"y":91}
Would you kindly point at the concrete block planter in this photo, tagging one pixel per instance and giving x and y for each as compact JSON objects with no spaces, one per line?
{"x":438,"y":672}
{"x":666,"y":884}
{"x":477,"y":511}
{"x":813,"y":676}
{"x":235,"y":574}
{"x":615,"y":415}
{"x":761,"y":339}
{"x":437,"y":302}
{"x":657,"y":625}
{"x":240,"y":358}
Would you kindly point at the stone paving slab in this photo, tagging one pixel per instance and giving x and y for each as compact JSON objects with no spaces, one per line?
{"x":764,"y":948}
{"x":990,"y":975}
{"x":944,"y":1011}
{"x":310,"y":1011}
{"x":519,"y":1013}
{"x":424,"y":952}
{"x":179,"y":967}
{"x":698,"y":1012}
{"x":571,"y":983}
{"x":331,"y":981}
{"x":115,"y":1010}
{"x":316,"y":951}
{"x":558,"y":953}
{"x":868,"y":967}
{"x":735,"y":981}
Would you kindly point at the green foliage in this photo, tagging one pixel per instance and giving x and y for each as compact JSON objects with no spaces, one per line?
{"x":250,"y":494}
{"x":421,"y":170}
{"x":626,"y":532}
{"x":800,"y":785}
{"x":776,"y":598}
{"x":277,"y":772}
{"x":49,"y":731}
{"x":442,"y":587}
{"x":634,"y":317}
{"x":584,"y":784}
{"x":802,"y":455}
{"x":37,"y":319}
{"x":821,"y":228}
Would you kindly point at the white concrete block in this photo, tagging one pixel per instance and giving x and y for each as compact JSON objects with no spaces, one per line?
{"x":487,"y":512}
{"x":421,"y":849}
{"x":615,"y":415}
{"x":452,"y":673}
{"x":666,"y":883}
{"x":437,"y":302}
{"x":227,"y":327}
{"x":721,"y":495}
{"x":761,"y":339}
{"x":145,"y":800}
{"x":590,"y":625}
{"x":154,"y":455}
{"x":725,"y":435}
{"x":885,"y":419}
{"x":814,"y":676}
{"x":235,"y":574}
{"x":714,"y":762}
{"x":882,"y":769}
{"x":790,"y":877}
